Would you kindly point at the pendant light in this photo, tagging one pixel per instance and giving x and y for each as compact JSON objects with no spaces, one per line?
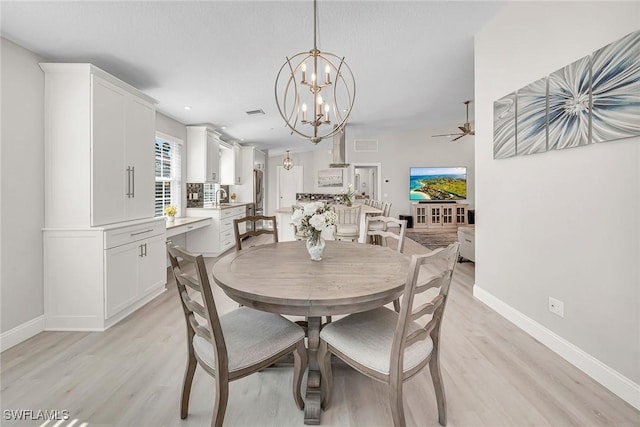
{"x":287,"y":163}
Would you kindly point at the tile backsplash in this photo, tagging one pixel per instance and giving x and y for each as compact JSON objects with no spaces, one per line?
{"x":202,"y":195}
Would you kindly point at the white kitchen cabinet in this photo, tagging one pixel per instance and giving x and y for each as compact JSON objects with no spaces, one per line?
{"x":203,"y":157}
{"x":95,"y":277}
{"x":99,"y":148}
{"x":227,"y":164}
{"x":218,"y":237}
{"x":237,"y":159}
{"x":231,"y":172}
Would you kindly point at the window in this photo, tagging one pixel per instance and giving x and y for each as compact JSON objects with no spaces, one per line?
{"x":168,"y":173}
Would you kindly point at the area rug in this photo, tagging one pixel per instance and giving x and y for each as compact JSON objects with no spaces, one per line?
{"x":433,"y":239}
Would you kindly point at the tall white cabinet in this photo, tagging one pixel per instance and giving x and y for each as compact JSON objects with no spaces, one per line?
{"x":99,"y":149}
{"x":99,"y":181}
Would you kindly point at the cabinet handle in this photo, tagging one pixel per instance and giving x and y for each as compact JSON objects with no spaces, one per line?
{"x":142,"y":232}
{"x":133,"y":181}
{"x":145,"y":249}
{"x":141,"y":253}
{"x":128,"y":181}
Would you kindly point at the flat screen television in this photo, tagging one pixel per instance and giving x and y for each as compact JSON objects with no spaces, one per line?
{"x":438,"y":183}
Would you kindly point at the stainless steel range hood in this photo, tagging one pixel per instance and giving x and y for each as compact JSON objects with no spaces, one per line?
{"x":339,"y":149}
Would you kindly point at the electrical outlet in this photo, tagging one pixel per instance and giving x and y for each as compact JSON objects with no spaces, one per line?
{"x":556,"y":306}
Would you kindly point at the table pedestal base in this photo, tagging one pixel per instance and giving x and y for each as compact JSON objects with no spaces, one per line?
{"x":314,"y":394}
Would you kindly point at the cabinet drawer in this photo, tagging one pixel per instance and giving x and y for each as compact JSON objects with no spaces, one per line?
{"x":226,"y":235}
{"x":226,"y":224}
{"x":226,"y":213}
{"x":227,"y":243}
{"x":121,"y":236}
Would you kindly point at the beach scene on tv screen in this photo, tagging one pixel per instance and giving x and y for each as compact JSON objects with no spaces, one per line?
{"x":438,"y":183}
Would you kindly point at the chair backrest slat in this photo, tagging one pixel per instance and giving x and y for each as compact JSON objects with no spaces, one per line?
{"x":432,"y":282}
{"x":194,"y":306}
{"x":427,"y":308}
{"x":252,"y":230}
{"x":192,"y":282}
{"x":416,"y":336}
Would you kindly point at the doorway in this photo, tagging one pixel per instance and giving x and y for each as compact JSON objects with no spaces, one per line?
{"x":366,"y":180}
{"x":289,"y":182}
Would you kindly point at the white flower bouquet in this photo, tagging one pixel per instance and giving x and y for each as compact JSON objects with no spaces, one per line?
{"x":313,"y":218}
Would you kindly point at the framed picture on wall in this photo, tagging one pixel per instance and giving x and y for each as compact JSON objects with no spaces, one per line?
{"x":330,"y":178}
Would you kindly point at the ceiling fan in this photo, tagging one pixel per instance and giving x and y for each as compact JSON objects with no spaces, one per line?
{"x":465,"y":128}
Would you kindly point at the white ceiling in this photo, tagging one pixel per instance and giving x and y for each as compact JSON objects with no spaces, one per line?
{"x":412,"y":60}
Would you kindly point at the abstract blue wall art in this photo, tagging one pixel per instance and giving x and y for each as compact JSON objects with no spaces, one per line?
{"x":531,"y":122}
{"x":615,"y":90}
{"x":569,"y":108}
{"x":504,"y":127}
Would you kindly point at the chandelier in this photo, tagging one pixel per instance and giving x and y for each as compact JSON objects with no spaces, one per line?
{"x":299,"y":89}
{"x":287,"y":162}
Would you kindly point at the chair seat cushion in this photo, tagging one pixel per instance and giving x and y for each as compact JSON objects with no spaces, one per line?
{"x":367,"y":338}
{"x":346,"y":229}
{"x":251,"y":336}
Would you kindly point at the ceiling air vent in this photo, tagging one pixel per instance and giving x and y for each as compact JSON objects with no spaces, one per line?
{"x":365,"y":145}
{"x":259,"y":112}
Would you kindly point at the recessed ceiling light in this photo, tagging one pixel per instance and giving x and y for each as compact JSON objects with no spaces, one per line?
{"x":223,"y":127}
{"x":187,"y":107}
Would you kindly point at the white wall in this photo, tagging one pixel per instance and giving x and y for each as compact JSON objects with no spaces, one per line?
{"x":563,"y":223}
{"x":22,"y":181}
{"x":396,"y":154}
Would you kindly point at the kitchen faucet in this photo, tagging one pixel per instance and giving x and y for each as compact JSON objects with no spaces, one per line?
{"x":224,"y":195}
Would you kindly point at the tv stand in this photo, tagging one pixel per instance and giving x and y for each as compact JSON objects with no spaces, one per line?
{"x":439,"y":214}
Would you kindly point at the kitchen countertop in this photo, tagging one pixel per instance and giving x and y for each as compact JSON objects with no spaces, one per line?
{"x":185,"y":224}
{"x":185,"y":220}
{"x":225,"y":206}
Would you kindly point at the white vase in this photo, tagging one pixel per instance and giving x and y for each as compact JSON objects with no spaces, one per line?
{"x":315,"y":248}
{"x":171,"y":218}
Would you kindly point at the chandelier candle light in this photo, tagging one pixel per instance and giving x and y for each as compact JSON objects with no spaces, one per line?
{"x":292,"y":92}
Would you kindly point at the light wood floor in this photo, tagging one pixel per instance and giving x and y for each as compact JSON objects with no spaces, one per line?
{"x":130,"y":375}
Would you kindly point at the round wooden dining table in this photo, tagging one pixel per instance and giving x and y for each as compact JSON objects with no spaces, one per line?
{"x":281,"y":278}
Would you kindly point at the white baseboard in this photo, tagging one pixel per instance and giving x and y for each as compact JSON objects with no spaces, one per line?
{"x":617,"y":383}
{"x":21,"y":333}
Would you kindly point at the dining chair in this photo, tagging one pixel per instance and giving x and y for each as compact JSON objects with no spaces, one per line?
{"x":251,"y":228}
{"x":347,"y":223}
{"x":231,"y":346}
{"x":393,"y":347}
{"x":377,"y":234}
{"x":378,"y":228}
{"x":386,"y":208}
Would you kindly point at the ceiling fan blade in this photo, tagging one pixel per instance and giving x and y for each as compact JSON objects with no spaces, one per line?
{"x":463,"y":129}
{"x":473,"y":132}
{"x":455,"y":139}
{"x":447,"y":134}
